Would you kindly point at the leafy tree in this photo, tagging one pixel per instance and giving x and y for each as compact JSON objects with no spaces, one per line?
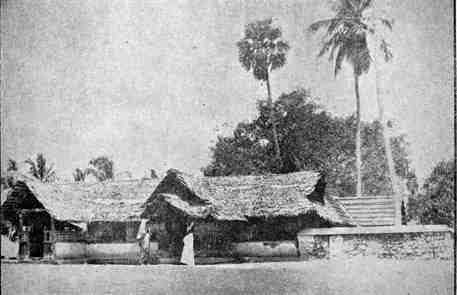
{"x":102,"y":168}
{"x":8,"y":180}
{"x":263,"y":50}
{"x":310,"y":139}
{"x":435,"y":204}
{"x":153,"y":174}
{"x":346,"y":40}
{"x":40,"y":170}
{"x":12,"y":165}
{"x":79,"y":175}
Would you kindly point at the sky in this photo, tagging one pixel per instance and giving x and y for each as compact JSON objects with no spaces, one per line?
{"x":151,"y":84}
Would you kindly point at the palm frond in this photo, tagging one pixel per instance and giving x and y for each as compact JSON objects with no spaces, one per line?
{"x":262,"y":48}
{"x":332,"y":44}
{"x":387,"y":22}
{"x":12,"y":165}
{"x":49,"y":173}
{"x":277,"y":61}
{"x":340,"y":56}
{"x":385,"y":49}
{"x":316,"y":26}
{"x":360,"y":56}
{"x":365,"y":4}
{"x":282,"y":46}
{"x":39,"y":170}
{"x":79,"y":175}
{"x":32,"y":169}
{"x":350,"y":4}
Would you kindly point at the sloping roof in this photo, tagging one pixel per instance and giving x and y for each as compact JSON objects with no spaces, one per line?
{"x":107,"y":201}
{"x":239,"y":197}
{"x":370,"y":210}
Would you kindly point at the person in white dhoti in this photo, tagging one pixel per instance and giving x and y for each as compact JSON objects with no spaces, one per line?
{"x":187,"y":256}
{"x":144,"y":240}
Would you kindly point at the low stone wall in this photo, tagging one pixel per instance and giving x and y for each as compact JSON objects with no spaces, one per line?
{"x":123,"y":251}
{"x":266,"y":249}
{"x":100,"y":251}
{"x":70,"y":250}
{"x":9,"y":248}
{"x":425,"y":241}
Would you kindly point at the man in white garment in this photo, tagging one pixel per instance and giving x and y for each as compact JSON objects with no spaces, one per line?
{"x":187,"y":256}
{"x":144,"y":240}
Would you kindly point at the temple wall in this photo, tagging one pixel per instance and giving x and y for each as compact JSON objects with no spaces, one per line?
{"x":266,"y":249}
{"x":124,"y":251}
{"x":70,"y":250}
{"x":405,"y":242}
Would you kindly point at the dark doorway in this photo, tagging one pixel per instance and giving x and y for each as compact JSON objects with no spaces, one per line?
{"x":36,"y":223}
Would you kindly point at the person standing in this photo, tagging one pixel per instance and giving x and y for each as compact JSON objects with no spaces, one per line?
{"x":144,"y":240}
{"x":187,"y":256}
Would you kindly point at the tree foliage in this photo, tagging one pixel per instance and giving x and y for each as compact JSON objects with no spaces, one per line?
{"x":153,"y":174}
{"x":346,"y":35}
{"x":7,"y":180}
{"x":436,"y":202}
{"x":263,"y":50}
{"x":345,"y":39}
{"x":102,"y":168}
{"x":40,"y":170}
{"x":310,"y":139}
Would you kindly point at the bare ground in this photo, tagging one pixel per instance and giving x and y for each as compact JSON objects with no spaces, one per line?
{"x":361,"y":276}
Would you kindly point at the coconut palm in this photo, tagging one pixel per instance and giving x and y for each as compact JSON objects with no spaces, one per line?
{"x":79,"y":175}
{"x":12,"y":165}
{"x":345,"y":39}
{"x":40,"y":170}
{"x":263,"y":50}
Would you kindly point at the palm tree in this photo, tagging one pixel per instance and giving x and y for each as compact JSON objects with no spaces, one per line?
{"x":40,"y":170}
{"x":345,"y":39}
{"x":79,"y":175}
{"x":12,"y":165}
{"x":263,"y":50}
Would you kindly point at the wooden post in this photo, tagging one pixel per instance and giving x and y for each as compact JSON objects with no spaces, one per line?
{"x":52,"y":238}
{"x":19,"y":231}
{"x":24,"y":239}
{"x":397,"y":204}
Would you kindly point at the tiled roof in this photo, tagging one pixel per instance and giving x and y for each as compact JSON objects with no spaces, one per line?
{"x":370,"y":210}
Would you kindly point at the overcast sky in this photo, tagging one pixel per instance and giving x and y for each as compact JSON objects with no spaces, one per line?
{"x":152,"y":83}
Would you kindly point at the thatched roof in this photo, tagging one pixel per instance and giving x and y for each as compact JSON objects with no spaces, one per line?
{"x":107,"y":201}
{"x":370,"y":210}
{"x":243,"y":197}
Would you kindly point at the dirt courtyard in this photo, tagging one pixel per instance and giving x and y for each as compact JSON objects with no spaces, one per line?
{"x":361,"y":276}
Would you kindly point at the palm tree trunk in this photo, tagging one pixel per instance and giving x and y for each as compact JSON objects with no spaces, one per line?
{"x":273,"y":124}
{"x":358,"y":156}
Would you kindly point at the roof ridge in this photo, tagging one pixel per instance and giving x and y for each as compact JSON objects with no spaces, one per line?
{"x":247,"y":175}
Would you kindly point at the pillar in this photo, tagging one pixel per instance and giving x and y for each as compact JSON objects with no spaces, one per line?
{"x":52,"y":237}
{"x":24,"y":246}
{"x":397,"y":204}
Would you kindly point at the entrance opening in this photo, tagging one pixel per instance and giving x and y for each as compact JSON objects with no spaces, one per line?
{"x":36,"y":223}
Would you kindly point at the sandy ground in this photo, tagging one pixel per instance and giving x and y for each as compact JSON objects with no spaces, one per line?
{"x":362,"y":276}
